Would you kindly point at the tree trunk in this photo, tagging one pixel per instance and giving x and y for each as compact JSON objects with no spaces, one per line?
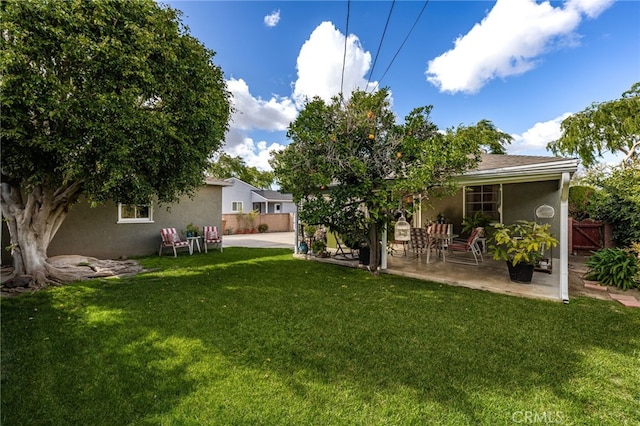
{"x":374,"y":249}
{"x":33,"y":218}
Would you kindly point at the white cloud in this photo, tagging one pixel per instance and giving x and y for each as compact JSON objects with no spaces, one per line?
{"x":272,"y":19}
{"x":255,"y":113}
{"x":320,"y":61}
{"x":254,"y":155}
{"x":319,"y":67}
{"x":535,"y":139}
{"x":509,"y":41}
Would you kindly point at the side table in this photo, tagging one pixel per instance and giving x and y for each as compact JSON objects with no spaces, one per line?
{"x":191,"y":240}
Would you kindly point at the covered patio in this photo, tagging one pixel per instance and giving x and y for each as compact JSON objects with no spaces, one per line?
{"x":489,"y":275}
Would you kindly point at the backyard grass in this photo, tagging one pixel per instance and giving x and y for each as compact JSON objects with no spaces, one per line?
{"x":254,"y":336}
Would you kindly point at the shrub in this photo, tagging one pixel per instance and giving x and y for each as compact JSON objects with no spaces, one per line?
{"x":318,"y":246}
{"x":579,"y":197}
{"x":262,"y":228}
{"x":615,"y":267}
{"x":618,"y":203}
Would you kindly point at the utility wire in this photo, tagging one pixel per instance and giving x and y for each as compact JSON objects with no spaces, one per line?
{"x":344,"y":55}
{"x":403,"y":42}
{"x":380,"y":45}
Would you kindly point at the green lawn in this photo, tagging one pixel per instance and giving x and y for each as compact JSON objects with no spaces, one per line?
{"x":254,"y":336}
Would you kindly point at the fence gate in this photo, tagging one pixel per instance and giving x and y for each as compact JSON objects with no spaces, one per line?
{"x":588,"y":235}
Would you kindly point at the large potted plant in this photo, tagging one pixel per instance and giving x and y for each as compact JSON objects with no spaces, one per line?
{"x":522,"y":246}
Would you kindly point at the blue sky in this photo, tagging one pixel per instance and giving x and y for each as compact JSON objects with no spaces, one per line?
{"x":522,"y":64}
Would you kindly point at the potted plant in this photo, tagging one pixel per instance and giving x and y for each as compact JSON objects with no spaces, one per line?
{"x":477,"y":220}
{"x":251,"y":221}
{"x":318,"y":247}
{"x":522,"y":246}
{"x":240,"y":219}
{"x":192,"y":230}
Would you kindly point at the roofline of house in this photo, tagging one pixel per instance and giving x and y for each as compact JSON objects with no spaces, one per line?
{"x":525,"y":173}
{"x":216,"y":182}
{"x":271,"y":200}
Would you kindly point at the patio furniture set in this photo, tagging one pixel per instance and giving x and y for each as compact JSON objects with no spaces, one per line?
{"x":440,"y":238}
{"x":171,"y":238}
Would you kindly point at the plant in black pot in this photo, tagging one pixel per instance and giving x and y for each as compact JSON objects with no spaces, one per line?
{"x":522,"y":246}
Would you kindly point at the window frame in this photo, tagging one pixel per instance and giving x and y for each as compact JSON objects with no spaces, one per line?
{"x":496,"y":191}
{"x":140,"y":219}
{"x":235,"y":204}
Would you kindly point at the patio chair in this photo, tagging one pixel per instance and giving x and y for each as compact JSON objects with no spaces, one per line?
{"x":340,"y":248}
{"x":420,"y":242}
{"x":438,"y":234}
{"x":470,"y":245}
{"x":211,"y":236}
{"x":171,"y":238}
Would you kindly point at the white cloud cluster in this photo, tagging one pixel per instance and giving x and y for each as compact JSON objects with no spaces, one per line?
{"x":256,"y":113}
{"x":319,"y":67}
{"x":537,"y":137}
{"x":254,"y":154}
{"x":272,"y":19}
{"x":509,"y":41}
{"x":320,"y":62}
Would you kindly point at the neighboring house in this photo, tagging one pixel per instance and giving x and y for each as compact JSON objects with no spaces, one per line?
{"x":241,"y":196}
{"x":113,"y":230}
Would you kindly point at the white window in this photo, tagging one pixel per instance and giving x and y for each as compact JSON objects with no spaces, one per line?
{"x":135,"y":213}
{"x":236,"y":206}
{"x":277,"y":208}
{"x":483,"y":198}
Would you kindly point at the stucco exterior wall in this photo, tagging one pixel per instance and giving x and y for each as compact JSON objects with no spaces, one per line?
{"x":449,"y":206}
{"x":519,"y":201}
{"x":96,"y":232}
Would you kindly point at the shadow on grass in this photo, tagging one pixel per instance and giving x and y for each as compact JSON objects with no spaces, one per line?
{"x":252,"y":335}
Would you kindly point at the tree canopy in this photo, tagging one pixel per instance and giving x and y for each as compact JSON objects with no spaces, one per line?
{"x":349,"y":163}
{"x":226,"y":166}
{"x":485,"y":133}
{"x":113,"y":100}
{"x":612,"y":126}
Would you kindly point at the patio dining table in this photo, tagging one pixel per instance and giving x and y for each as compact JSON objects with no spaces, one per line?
{"x":441,"y":240}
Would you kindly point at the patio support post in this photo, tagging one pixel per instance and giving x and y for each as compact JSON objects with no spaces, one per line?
{"x":295,"y":234}
{"x":564,"y":237}
{"x":383,"y":257}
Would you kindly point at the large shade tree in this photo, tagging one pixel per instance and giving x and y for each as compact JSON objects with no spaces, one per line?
{"x":612,"y":126}
{"x":225,"y":166}
{"x":113,"y":100}
{"x":349,"y":162}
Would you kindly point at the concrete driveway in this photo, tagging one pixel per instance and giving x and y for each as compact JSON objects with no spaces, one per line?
{"x":266,"y":240}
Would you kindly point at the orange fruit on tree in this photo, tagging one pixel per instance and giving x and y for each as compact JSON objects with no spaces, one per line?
{"x":371,"y":136}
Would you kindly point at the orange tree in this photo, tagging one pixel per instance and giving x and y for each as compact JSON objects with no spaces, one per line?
{"x":349,"y":162}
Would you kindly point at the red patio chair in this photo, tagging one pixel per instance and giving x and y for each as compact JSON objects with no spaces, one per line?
{"x":211,"y":236}
{"x":466,"y":246}
{"x":171,"y":238}
{"x":420,"y":242}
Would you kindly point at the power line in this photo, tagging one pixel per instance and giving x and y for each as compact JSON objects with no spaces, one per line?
{"x":380,"y":45}
{"x":344,"y":55}
{"x":403,"y":42}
